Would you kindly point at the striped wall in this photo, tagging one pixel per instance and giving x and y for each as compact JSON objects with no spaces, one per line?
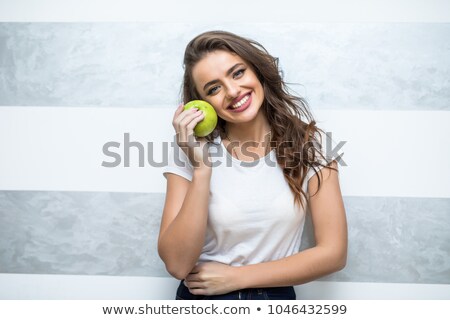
{"x":67,"y":88}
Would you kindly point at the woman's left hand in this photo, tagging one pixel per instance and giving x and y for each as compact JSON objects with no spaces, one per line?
{"x":211,"y":278}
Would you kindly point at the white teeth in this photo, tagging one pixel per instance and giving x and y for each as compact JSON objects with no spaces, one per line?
{"x":240,"y":103}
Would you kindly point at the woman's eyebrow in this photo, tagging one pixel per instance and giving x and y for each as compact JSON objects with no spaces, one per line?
{"x":230,"y":71}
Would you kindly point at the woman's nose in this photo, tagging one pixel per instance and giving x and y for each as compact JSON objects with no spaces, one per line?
{"x":233,"y":90}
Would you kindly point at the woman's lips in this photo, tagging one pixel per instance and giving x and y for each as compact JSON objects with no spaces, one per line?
{"x":239,"y":98}
{"x":244,"y":106}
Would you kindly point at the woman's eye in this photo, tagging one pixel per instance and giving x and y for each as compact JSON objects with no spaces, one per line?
{"x":213,"y":90}
{"x":238,"y":73}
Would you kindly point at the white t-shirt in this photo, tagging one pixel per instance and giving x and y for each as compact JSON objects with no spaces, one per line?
{"x":252,"y":217}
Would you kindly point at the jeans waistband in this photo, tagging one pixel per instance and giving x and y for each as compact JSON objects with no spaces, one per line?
{"x":271,"y":293}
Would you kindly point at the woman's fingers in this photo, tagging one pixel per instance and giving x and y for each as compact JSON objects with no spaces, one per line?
{"x":186,"y":124}
{"x":198,"y":116}
{"x":188,"y":119}
{"x":195,"y":285}
{"x":184,"y":117}
{"x":196,"y":269}
{"x":199,"y":292}
{"x":178,"y":111}
{"x":180,"y":115}
{"x":192,"y":277}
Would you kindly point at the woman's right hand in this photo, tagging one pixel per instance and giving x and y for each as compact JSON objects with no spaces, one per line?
{"x":184,"y":122}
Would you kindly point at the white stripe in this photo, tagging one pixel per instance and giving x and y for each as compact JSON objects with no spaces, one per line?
{"x":388,"y":153}
{"x":199,"y":11}
{"x":38,"y":286}
{"x":392,"y":153}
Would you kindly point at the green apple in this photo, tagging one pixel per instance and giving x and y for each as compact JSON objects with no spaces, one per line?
{"x":209,"y":122}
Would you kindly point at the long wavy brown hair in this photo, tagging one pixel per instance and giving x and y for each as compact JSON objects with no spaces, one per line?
{"x":295,"y":136}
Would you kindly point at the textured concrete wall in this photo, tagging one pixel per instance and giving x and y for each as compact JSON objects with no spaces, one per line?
{"x":375,"y":66}
{"x":336,"y":66}
{"x":390,"y":239}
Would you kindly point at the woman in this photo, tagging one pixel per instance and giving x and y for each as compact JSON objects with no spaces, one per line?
{"x":231,"y":227}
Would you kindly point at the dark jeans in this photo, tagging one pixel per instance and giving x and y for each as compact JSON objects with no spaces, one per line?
{"x":276,"y":293}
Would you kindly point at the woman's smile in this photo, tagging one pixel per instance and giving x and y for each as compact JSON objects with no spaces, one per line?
{"x":242,"y":103}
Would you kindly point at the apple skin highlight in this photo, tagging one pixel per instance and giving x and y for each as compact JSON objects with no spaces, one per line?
{"x":208,"y":124}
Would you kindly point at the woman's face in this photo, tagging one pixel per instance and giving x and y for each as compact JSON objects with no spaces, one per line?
{"x":230,"y":85}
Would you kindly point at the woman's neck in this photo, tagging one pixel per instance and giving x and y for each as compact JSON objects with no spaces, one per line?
{"x":257,"y":130}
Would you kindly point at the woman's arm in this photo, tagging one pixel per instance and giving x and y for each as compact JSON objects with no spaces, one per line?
{"x":183,"y":224}
{"x":328,"y":256}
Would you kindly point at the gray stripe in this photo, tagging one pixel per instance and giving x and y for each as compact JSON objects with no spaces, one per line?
{"x":80,"y":233}
{"x":390,"y":239}
{"x":401,"y":240}
{"x":364,"y":66}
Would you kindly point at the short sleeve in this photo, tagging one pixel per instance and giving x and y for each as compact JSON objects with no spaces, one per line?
{"x":319,"y":166}
{"x":324,"y":155}
{"x":178,"y":163}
